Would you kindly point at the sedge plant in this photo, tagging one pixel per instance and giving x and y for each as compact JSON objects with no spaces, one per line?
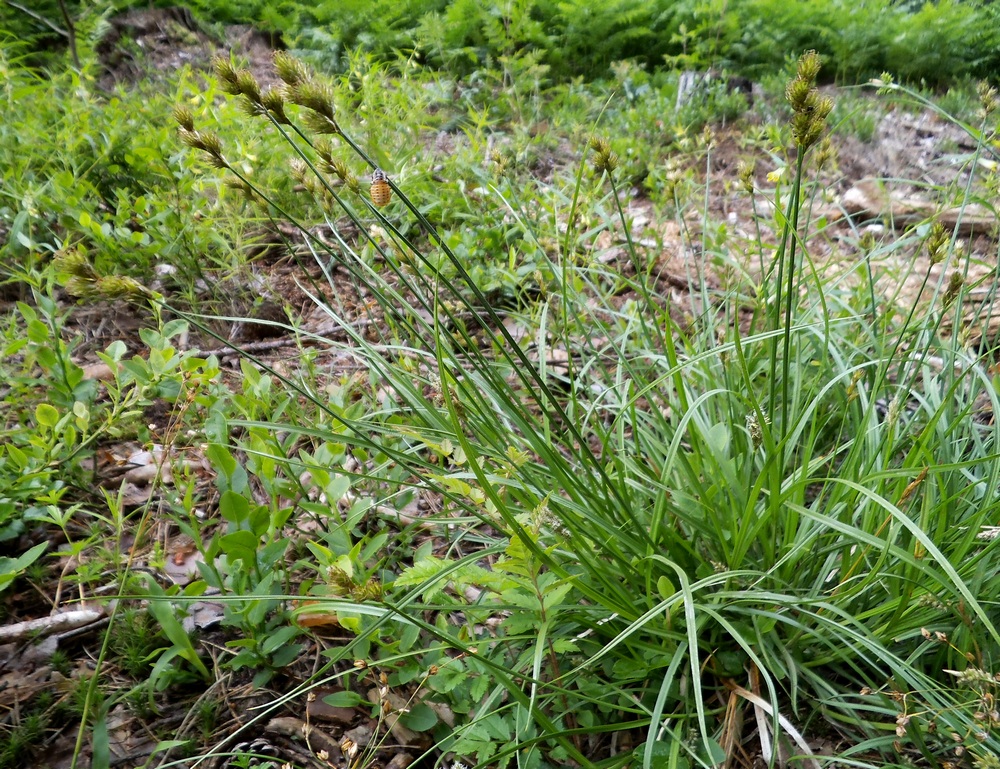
{"x":701,"y":523}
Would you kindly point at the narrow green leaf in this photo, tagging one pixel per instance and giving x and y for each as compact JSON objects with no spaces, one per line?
{"x":344,"y":699}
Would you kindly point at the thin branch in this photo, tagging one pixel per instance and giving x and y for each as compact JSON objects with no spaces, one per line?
{"x":38,"y":17}
{"x":70,"y":33}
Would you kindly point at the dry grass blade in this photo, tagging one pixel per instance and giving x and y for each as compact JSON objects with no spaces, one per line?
{"x":764,"y":713}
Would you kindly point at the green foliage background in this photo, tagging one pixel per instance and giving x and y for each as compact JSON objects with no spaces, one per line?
{"x":930,"y":42}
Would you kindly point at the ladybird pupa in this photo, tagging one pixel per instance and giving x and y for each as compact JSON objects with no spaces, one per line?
{"x":381,"y":192}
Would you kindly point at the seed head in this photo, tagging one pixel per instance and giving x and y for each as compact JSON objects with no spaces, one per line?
{"x":370,"y":591}
{"x":989,"y":533}
{"x":86,"y":283}
{"x":321,"y":123}
{"x":852,"y":388}
{"x":226,"y":72}
{"x":248,"y":85}
{"x":118,"y":287}
{"x":292,"y":71}
{"x":82,"y":281}
{"x":244,"y":189}
{"x":884,"y":83}
{"x":972,"y":677}
{"x":809,"y":66}
{"x":184,"y":117}
{"x":809,"y":108}
{"x":208,"y":142}
{"x":74,"y":261}
{"x":931,"y":601}
{"x":339,"y":579}
{"x":797,"y":93}
{"x":252,"y":108}
{"x":299,"y":170}
{"x":349,"y":747}
{"x":313,"y":95}
{"x":987,"y":97}
{"x":986,"y":761}
{"x":826,"y":154}
{"x":501,"y":163}
{"x":745,"y":170}
{"x":274,"y":103}
{"x":755,"y":428}
{"x":605,"y":160}
{"x":324,"y":149}
{"x":955,"y":283}
{"x":895,"y":407}
{"x":341,"y":170}
{"x":937,"y":243}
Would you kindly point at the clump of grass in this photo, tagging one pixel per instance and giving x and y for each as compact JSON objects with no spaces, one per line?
{"x":695,"y":520}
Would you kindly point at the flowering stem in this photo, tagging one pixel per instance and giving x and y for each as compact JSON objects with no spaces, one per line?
{"x":792,"y":228}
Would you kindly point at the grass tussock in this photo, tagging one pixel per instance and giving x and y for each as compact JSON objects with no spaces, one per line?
{"x":691,"y":521}
{"x":744,"y":522}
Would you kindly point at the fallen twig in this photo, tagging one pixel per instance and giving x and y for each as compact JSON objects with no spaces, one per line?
{"x":57,"y":623}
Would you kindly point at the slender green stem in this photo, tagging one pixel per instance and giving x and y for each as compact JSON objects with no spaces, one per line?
{"x":665,"y":335}
{"x":774,"y":313}
{"x":791,"y":291}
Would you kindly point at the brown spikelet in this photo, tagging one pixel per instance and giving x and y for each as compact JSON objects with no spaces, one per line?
{"x":955,"y":283}
{"x":912,"y":487}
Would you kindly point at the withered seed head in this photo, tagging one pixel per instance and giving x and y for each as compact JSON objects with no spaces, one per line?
{"x":955,"y":283}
